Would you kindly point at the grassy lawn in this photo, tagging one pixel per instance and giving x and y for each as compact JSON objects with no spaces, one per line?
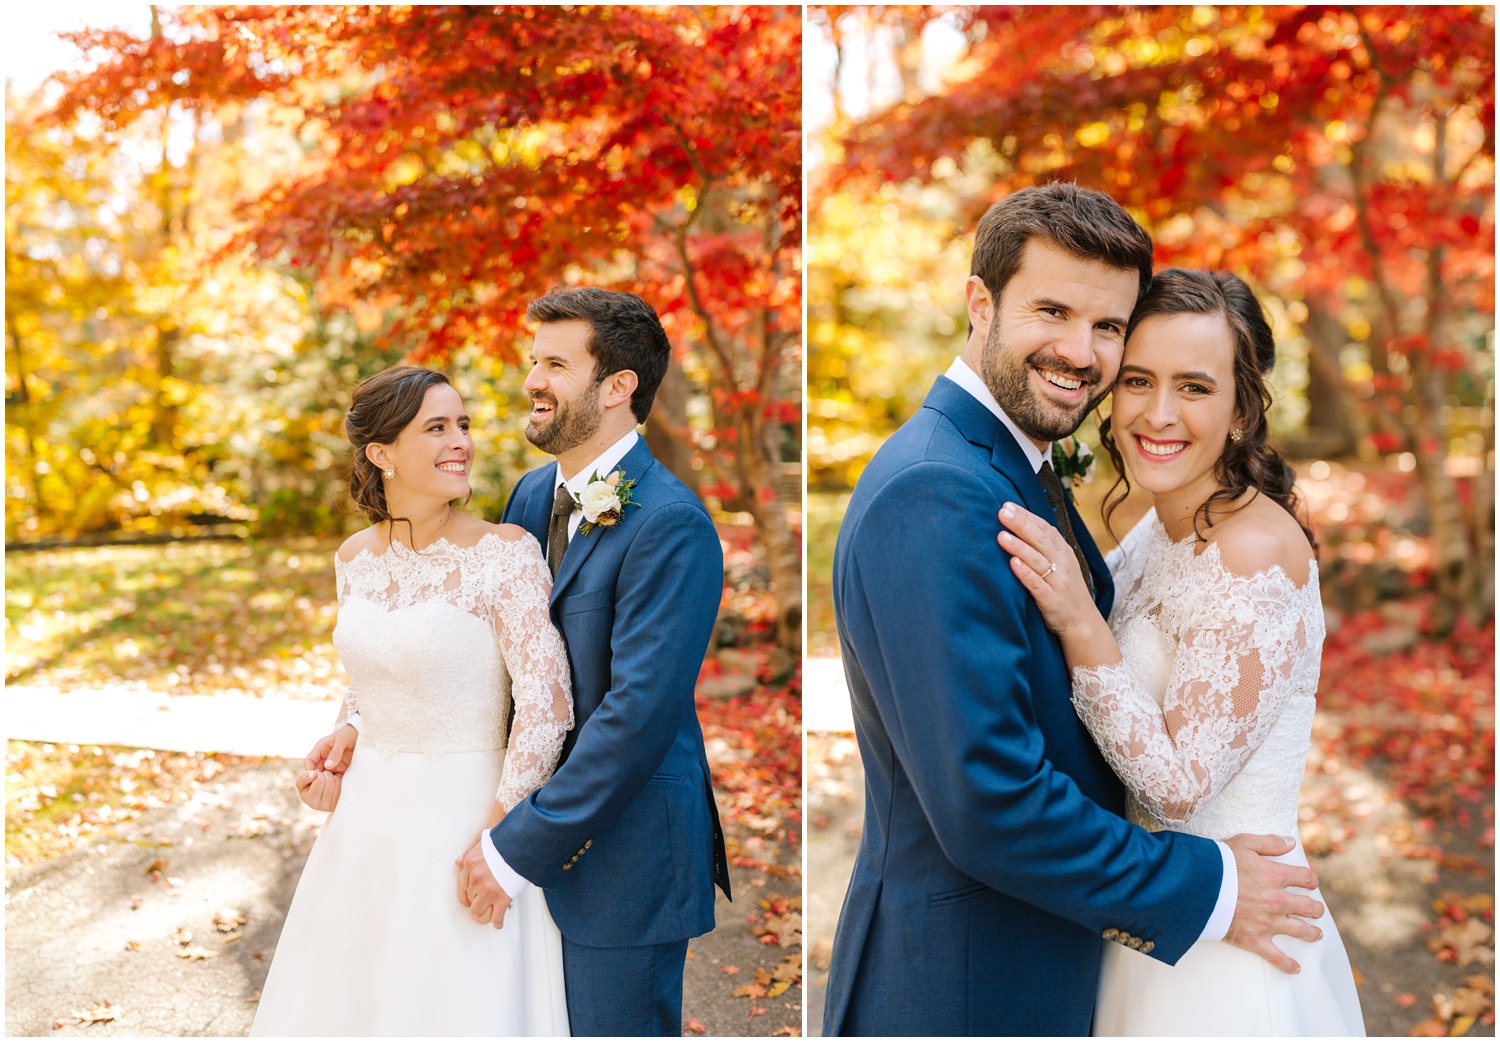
{"x":185,"y":618}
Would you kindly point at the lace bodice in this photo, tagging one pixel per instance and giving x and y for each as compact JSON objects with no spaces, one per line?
{"x":1208,"y":716}
{"x":437,"y":644}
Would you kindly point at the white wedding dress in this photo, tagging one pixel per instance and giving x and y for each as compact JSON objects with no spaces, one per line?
{"x":436,"y":645}
{"x":1207,"y":720}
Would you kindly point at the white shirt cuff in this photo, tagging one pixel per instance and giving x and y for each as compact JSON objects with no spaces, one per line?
{"x":354,"y":720}
{"x":1229,"y":895}
{"x":511,"y":881}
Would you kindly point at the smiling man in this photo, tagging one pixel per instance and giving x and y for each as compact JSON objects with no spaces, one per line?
{"x":624,"y":838}
{"x":995,"y":861}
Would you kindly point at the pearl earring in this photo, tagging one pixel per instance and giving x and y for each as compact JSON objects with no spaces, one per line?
{"x":1235,"y":436}
{"x":390,"y":472}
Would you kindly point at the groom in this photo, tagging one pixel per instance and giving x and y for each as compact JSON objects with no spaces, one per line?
{"x":995,"y":862}
{"x":624,"y":838}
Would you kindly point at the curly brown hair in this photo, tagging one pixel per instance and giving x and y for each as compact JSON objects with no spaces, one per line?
{"x":1250,"y":462}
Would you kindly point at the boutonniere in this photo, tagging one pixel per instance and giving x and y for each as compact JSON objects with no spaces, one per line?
{"x":604,"y":501}
{"x":1073,"y":462}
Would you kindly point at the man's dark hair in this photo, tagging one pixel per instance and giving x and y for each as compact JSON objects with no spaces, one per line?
{"x":626,"y":335}
{"x":1087,"y":224}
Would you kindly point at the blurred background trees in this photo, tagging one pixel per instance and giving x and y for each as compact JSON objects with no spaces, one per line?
{"x":1340,"y":159}
{"x":221,"y":225}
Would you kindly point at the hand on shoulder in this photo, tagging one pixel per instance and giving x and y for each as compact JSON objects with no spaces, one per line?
{"x":1262,"y":535}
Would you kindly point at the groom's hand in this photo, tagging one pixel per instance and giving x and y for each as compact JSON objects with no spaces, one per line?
{"x":479,"y":891}
{"x":1266,"y":907}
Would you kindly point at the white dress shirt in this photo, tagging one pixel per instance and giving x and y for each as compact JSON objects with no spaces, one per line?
{"x":1229,"y":889}
{"x":508,"y":878}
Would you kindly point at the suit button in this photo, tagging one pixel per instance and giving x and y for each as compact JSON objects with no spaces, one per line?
{"x":587,"y":843}
{"x":1147,"y":947}
{"x":1111,"y":934}
{"x":567,"y":866}
{"x":1135,"y":942}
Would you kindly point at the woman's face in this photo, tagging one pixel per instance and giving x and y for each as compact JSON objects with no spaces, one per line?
{"x":433,"y":453}
{"x":1173,"y":406}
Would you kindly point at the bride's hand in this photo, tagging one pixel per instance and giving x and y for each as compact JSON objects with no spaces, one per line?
{"x":319,"y":789}
{"x":1046,"y":566}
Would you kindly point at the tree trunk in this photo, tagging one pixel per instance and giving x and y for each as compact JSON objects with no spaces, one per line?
{"x":665,"y":426}
{"x":1482,"y":522}
{"x":1330,"y":424}
{"x":1452,"y":552}
{"x":760,"y":477}
{"x":20,"y":413}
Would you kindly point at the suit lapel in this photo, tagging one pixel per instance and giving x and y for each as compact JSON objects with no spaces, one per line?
{"x":534,"y":506}
{"x":982,"y":428}
{"x":635,"y":465}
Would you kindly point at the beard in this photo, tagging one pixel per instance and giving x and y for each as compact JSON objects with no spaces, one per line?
{"x":1008,"y":376}
{"x":572,"y":423}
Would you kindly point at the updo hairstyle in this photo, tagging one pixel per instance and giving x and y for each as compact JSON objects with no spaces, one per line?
{"x":383,"y":405}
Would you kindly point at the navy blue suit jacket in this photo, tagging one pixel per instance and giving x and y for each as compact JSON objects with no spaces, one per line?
{"x":994,"y":855}
{"x":625,"y":836}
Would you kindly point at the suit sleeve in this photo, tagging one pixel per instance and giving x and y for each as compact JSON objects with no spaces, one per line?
{"x":959,"y":712}
{"x":666,"y":599}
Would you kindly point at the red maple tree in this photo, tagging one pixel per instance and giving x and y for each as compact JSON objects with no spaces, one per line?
{"x":1341,"y":157}
{"x":460,"y":160}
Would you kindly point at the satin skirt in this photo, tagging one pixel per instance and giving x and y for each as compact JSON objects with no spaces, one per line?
{"x":1218,"y":989}
{"x":376,"y":942}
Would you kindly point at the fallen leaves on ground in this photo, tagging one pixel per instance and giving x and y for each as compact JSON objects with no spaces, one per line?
{"x":780,"y":921}
{"x":754,"y":744}
{"x":1404,"y":753}
{"x":98,"y":1013}
{"x":229,"y":920}
{"x":59,"y":797}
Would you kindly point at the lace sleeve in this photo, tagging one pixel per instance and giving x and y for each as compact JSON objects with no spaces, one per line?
{"x":540,"y":688}
{"x":1231,"y":677}
{"x":349,"y":711}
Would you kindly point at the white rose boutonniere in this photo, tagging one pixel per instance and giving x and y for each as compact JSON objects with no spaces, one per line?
{"x":604,"y":500}
{"x":1073,"y":462}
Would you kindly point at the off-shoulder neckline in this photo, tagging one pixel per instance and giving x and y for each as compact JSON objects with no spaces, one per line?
{"x":1212,"y":554}
{"x":437,"y":548}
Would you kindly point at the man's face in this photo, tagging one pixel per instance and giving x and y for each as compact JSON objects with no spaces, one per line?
{"x":565,"y":409}
{"x":1055,"y":337}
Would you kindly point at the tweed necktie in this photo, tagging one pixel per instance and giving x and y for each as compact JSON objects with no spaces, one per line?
{"x":557,"y":530}
{"x":1053,"y":487}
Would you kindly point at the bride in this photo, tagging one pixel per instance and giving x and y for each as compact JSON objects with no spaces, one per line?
{"x":443,"y":627}
{"x":1200,"y":689}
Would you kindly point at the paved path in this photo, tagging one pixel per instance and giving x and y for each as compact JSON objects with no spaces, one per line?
{"x":94,"y":928}
{"x":825,"y":696}
{"x":189,"y":723}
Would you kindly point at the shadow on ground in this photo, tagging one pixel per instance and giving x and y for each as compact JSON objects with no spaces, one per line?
{"x":120,"y":937}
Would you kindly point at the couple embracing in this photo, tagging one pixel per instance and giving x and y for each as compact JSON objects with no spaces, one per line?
{"x":524,"y":835}
{"x":1079,"y":772}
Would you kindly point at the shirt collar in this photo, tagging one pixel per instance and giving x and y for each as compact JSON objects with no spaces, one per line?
{"x":960,"y":373}
{"x":602,"y":465}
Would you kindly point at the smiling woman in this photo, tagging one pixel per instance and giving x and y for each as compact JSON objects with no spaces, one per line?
{"x":1191,"y":404}
{"x":451,"y":735}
